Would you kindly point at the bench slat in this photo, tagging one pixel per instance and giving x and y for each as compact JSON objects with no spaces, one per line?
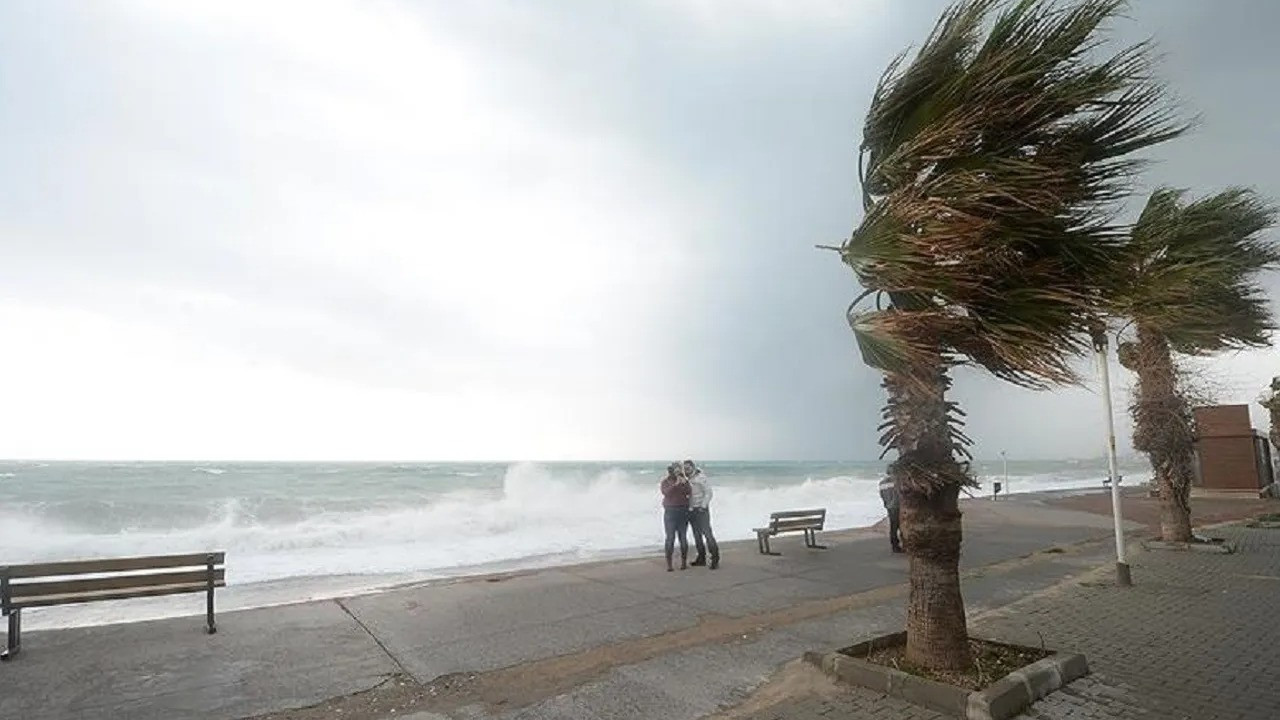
{"x":117,"y":594}
{"x":794,"y":526}
{"x":816,"y":519}
{"x":84,"y":567}
{"x":789,"y":514}
{"x":20,"y":590}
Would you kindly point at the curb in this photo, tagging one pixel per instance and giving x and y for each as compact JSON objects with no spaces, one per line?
{"x":1003,"y":699}
{"x":1221,"y":524}
{"x":1210,"y":548}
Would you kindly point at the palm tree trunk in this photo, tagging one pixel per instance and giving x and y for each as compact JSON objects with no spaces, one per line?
{"x":937,"y":634}
{"x":929,"y":479}
{"x":1163,"y":430}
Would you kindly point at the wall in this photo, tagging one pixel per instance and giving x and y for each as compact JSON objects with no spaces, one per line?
{"x":1225,"y":445}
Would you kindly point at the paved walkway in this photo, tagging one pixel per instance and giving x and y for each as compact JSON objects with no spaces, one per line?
{"x":1197,"y":638}
{"x":551,"y":643}
{"x":627,"y":640}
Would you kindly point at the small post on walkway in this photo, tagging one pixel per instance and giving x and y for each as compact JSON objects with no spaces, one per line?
{"x":1005,"y":461}
{"x":1123,"y":578}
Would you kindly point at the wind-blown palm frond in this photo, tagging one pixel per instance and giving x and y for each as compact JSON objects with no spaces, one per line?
{"x":908,"y":99}
{"x":989,"y":169}
{"x":890,"y":338}
{"x":1193,"y":276}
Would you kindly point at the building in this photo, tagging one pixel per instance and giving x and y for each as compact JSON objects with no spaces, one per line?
{"x":1230,"y":454}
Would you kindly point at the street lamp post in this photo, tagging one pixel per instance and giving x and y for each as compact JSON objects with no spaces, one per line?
{"x":1123,"y":578}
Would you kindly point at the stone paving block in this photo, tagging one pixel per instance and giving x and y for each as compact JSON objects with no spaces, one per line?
{"x":758,"y":597}
{"x":289,"y":656}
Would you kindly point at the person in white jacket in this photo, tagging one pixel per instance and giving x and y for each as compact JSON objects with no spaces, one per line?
{"x":700,"y":515}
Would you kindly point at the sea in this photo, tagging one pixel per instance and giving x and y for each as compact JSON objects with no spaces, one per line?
{"x":299,"y":531}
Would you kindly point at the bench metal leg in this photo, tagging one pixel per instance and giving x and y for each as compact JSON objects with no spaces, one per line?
{"x":209,"y":603}
{"x":811,"y":540}
{"x":765,"y":549}
{"x":14,"y":643}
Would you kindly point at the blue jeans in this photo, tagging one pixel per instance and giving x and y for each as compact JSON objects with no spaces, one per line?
{"x":703,"y":538}
{"x":676,"y":520}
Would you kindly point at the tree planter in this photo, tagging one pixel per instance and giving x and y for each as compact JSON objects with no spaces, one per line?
{"x":1270,"y":521}
{"x":1003,"y":698}
{"x":1212,"y":546}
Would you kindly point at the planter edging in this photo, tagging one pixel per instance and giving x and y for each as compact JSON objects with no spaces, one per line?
{"x":1212,"y":548}
{"x":1003,"y":699}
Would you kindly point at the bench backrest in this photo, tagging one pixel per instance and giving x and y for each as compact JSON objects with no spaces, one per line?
{"x":790,"y":520}
{"x":57,"y":583}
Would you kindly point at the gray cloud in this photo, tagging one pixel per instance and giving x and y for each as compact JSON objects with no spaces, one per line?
{"x":609,"y":207}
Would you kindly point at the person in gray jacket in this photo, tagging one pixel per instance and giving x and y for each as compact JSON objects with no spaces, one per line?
{"x":892,"y":504}
{"x":700,"y":515}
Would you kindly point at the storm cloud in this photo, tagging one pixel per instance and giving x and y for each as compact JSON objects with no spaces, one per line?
{"x":492,"y":230}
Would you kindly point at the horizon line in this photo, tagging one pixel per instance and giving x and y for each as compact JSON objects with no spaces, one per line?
{"x":631,"y":461}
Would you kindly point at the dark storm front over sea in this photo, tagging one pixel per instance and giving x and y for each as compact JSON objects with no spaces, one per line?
{"x":358,"y":526}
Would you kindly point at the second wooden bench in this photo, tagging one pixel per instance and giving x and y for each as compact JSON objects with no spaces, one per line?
{"x":809,"y":522}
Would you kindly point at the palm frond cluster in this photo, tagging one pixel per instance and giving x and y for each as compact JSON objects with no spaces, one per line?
{"x":1193,"y":274}
{"x":990,"y":165}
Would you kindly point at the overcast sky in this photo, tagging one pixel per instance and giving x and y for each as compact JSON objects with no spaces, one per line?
{"x":394,"y":229}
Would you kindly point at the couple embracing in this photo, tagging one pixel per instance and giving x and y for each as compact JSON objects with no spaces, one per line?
{"x":686,"y":500}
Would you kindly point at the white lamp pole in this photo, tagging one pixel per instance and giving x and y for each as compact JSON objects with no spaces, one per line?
{"x":1123,"y":577}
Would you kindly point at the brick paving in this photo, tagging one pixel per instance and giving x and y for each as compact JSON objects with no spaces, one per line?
{"x":1089,"y":698}
{"x":1196,"y":638}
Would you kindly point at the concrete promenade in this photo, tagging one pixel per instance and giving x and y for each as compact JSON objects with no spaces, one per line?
{"x":621,"y":639}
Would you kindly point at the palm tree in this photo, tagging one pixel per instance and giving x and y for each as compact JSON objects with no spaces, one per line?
{"x":1190,"y":288}
{"x":989,"y":166}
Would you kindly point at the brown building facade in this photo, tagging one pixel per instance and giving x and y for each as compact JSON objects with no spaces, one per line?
{"x":1231,"y":455}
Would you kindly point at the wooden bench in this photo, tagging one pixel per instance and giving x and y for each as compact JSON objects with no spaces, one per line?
{"x":807,"y":521}
{"x":58,"y":583}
